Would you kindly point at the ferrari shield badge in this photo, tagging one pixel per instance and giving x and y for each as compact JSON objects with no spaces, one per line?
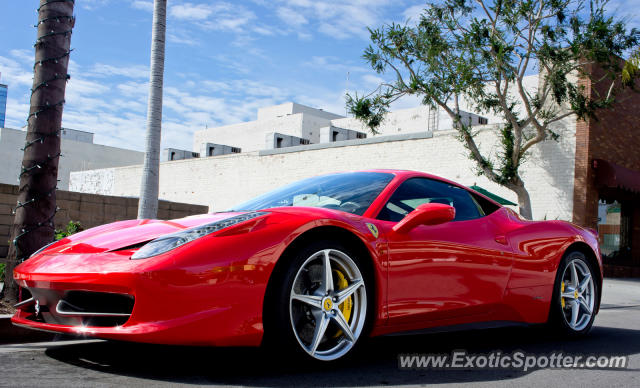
{"x":373,"y":229}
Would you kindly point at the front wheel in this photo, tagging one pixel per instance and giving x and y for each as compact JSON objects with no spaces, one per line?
{"x":321,"y":305}
{"x":575,"y":295}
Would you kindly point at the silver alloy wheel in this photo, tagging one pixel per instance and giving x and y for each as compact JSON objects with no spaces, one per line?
{"x":316,"y":304}
{"x":577,"y":294}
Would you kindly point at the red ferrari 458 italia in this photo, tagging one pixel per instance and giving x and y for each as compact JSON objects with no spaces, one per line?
{"x":315,"y":267}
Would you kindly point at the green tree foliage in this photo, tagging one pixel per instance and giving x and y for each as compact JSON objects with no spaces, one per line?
{"x":631,"y":69}
{"x":71,"y":228}
{"x":479,"y":51}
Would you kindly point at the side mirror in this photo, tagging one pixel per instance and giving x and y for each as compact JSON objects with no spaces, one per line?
{"x":426,"y":214}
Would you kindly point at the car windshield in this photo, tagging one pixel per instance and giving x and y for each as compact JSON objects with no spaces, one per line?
{"x":352,"y":192}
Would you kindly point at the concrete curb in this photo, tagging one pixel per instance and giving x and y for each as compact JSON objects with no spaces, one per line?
{"x":10,"y":334}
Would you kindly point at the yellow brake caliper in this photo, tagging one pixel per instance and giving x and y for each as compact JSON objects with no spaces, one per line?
{"x":562,"y":292}
{"x":347,"y":306}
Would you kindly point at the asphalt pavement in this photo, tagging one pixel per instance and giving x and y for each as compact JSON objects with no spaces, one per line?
{"x":104,"y":363}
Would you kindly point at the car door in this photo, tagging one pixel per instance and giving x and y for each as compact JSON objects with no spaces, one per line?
{"x":455,"y":269}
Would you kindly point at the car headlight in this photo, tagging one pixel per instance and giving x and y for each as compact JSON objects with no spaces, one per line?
{"x":166,"y":243}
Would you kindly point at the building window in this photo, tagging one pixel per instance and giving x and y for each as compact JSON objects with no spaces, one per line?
{"x":483,"y":121}
{"x":614,"y":231}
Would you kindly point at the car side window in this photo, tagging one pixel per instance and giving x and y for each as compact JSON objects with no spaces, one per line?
{"x":416,"y":191}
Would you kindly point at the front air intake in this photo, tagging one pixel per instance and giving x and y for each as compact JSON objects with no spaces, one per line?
{"x":96,"y":308}
{"x":78,"y":308}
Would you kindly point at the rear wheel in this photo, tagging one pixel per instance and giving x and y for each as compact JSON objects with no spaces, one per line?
{"x":321,"y":306}
{"x":575,"y":295}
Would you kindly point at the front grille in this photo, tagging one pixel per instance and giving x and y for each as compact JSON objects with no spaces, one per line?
{"x":75,"y":307}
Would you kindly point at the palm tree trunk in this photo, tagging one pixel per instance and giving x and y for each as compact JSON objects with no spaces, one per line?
{"x":148,"y":206}
{"x":33,"y":225}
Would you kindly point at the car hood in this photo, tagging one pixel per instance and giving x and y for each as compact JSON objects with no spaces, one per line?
{"x":124,"y":234}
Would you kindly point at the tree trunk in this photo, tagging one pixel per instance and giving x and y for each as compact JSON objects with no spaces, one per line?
{"x":524,"y":201}
{"x":33,"y":225}
{"x":148,"y":206}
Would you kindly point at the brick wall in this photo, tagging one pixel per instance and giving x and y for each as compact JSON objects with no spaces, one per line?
{"x":615,"y":137}
{"x":88,"y":209}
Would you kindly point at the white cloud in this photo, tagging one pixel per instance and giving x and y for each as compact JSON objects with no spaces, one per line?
{"x":372,"y":81}
{"x":221,"y":16}
{"x":133,"y":89}
{"x":291,"y":17}
{"x":340,"y":19}
{"x":23,"y":55}
{"x":143,"y":5}
{"x":626,"y":9}
{"x":74,"y":67}
{"x":413,"y":13}
{"x":335,"y":64}
{"x":264,"y":30}
{"x":79,"y":86}
{"x":181,"y":37}
{"x":17,"y":111}
{"x":94,"y":4}
{"x":190,"y":11}
{"x":15,"y":72}
{"x":133,"y":71}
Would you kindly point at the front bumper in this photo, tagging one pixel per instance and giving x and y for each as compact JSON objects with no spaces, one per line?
{"x":163,"y":332}
{"x":196,"y":305}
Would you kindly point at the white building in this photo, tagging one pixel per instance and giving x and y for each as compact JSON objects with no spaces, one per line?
{"x":420,"y":119}
{"x":79,"y":153}
{"x":287,"y":119}
{"x":292,"y":124}
{"x":408,"y":139}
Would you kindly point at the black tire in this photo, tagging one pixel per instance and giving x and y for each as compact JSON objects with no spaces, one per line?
{"x":559,"y":322}
{"x":279,"y":334}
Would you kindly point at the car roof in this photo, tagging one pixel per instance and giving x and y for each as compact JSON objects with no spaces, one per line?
{"x":412,"y":173}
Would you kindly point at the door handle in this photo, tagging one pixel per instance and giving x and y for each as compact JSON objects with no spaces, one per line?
{"x":501,"y":239}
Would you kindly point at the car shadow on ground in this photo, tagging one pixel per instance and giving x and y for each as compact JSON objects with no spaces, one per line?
{"x":375,"y":364}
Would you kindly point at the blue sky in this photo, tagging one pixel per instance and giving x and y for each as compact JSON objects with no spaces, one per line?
{"x":224,"y":60}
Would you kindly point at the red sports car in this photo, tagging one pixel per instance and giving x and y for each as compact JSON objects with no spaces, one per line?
{"x":315,"y":267}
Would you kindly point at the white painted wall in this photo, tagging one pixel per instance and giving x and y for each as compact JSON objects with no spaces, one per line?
{"x":223,"y":181}
{"x":76,"y":156}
